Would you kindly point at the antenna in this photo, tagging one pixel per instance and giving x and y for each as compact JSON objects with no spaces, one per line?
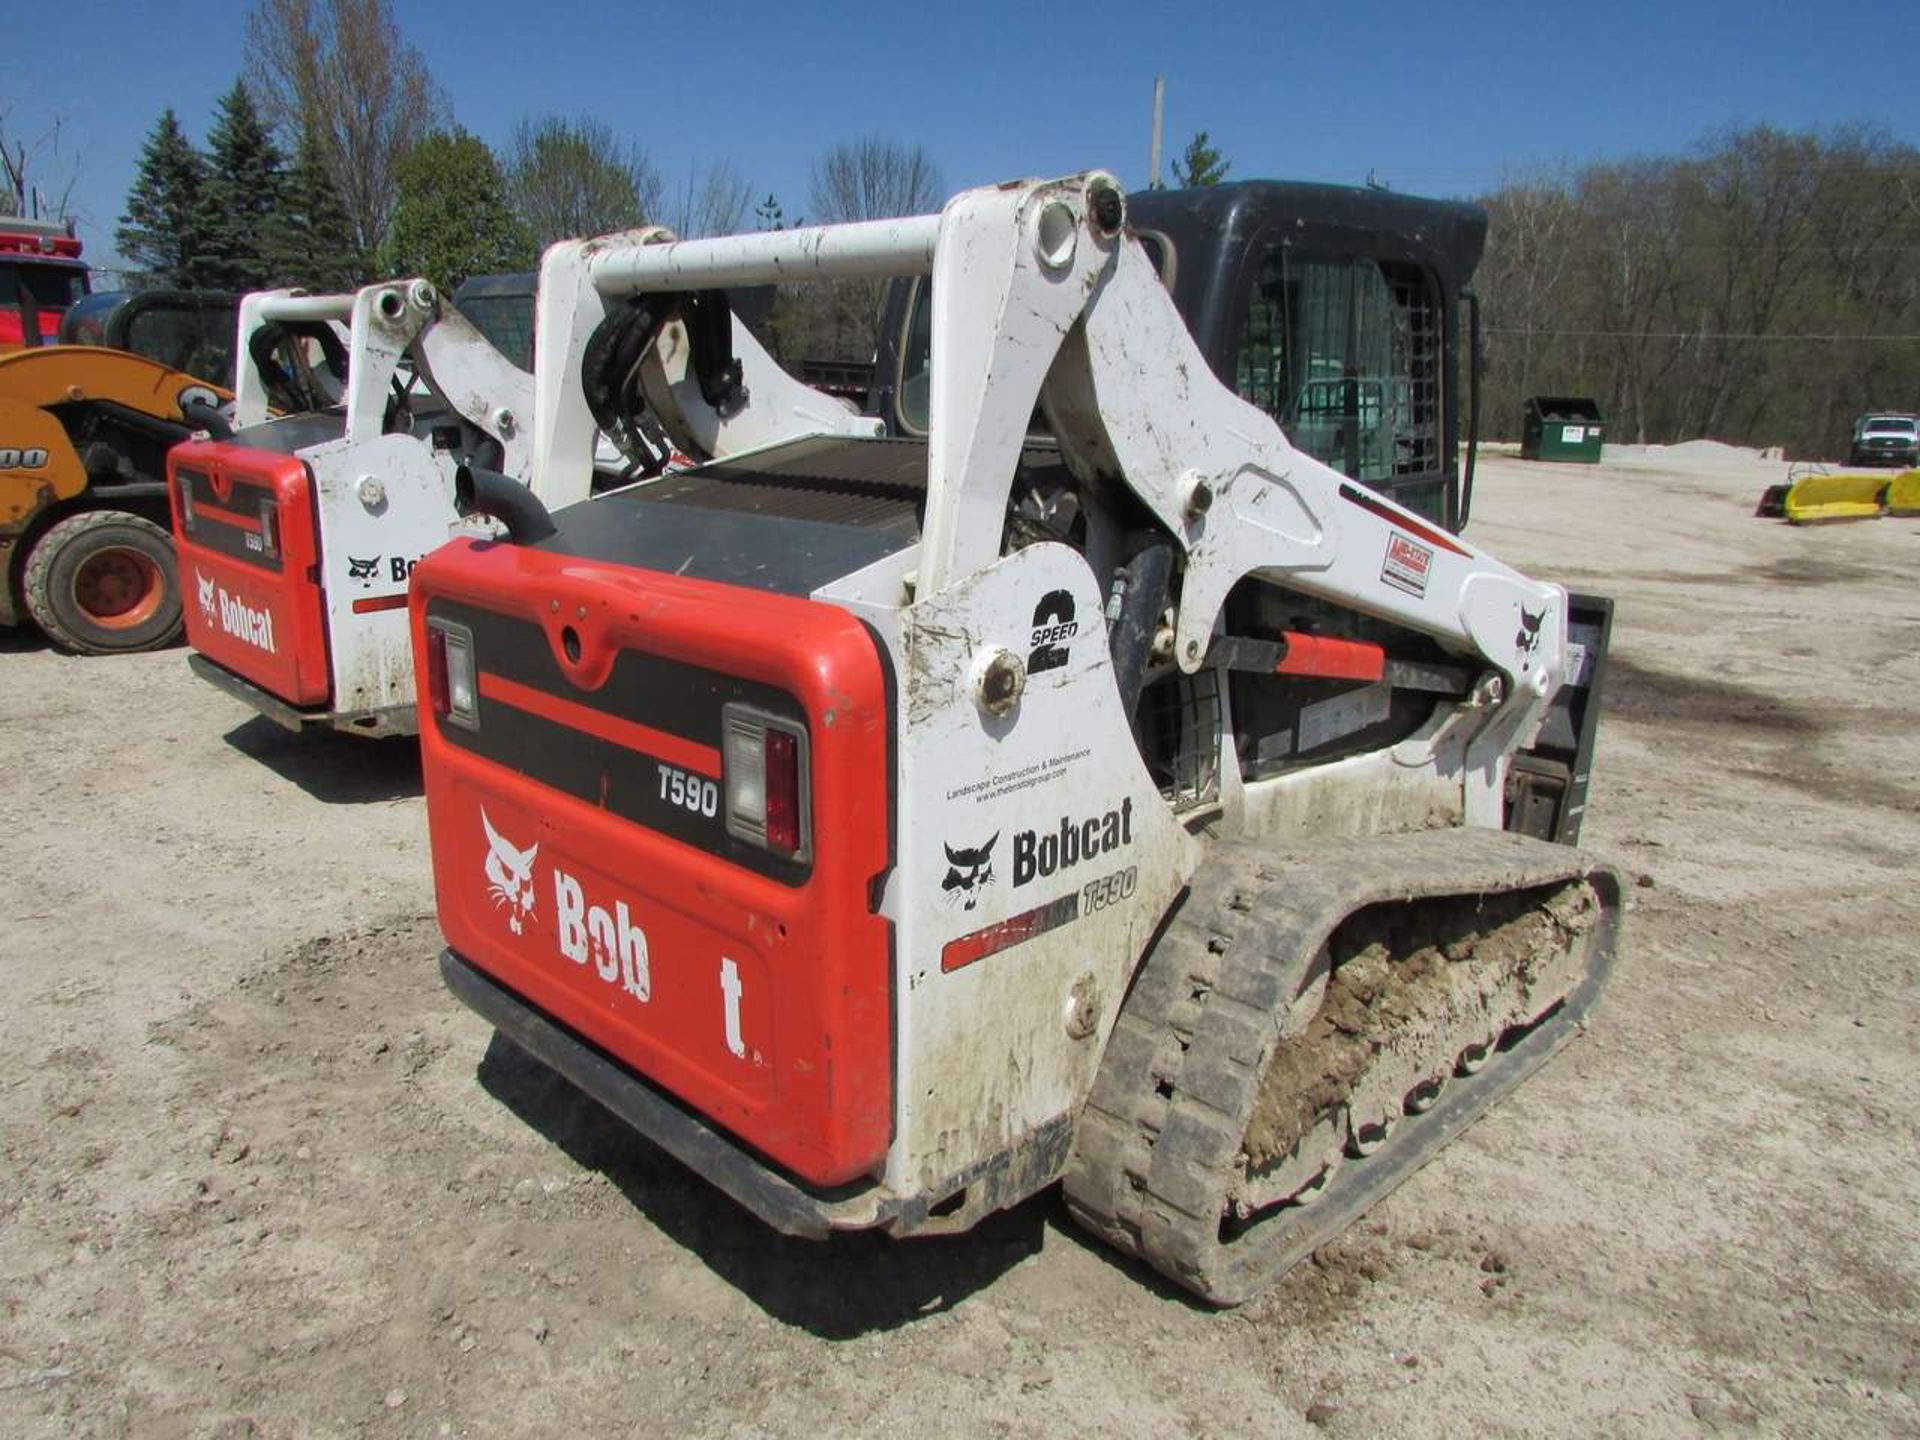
{"x":1159,"y":112}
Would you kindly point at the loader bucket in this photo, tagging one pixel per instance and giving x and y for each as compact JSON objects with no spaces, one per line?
{"x":1816,"y":499}
{"x":1903,"y":493}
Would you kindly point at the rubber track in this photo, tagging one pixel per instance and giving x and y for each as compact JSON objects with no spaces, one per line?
{"x":1157,"y":1147}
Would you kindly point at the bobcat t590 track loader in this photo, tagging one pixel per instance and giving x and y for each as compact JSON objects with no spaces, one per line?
{"x":891,"y":827}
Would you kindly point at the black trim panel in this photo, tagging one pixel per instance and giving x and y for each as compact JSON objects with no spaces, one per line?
{"x":681,"y":700}
{"x":230,"y":540}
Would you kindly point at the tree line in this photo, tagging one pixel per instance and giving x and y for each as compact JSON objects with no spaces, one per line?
{"x":1763,"y":290}
{"x":335,"y":159}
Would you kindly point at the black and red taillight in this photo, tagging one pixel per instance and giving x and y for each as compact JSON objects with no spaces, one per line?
{"x":183,"y":487}
{"x":764,"y":772}
{"x":450,"y":673}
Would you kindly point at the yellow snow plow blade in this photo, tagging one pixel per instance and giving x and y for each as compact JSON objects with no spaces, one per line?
{"x":1903,"y":493}
{"x":1816,"y":498}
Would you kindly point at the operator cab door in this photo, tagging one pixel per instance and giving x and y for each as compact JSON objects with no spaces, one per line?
{"x":1345,"y":352}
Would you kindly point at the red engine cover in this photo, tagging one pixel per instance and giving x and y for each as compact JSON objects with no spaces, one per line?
{"x":243,"y":524}
{"x":581,"y":855}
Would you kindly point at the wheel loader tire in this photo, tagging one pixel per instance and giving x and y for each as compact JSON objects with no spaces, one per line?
{"x":1310,"y":1029}
{"x":105,"y":582}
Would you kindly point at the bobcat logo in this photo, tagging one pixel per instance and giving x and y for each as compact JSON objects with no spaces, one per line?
{"x":362,"y":570}
{"x":1529,"y":637}
{"x":208,"y":607}
{"x":968,"y":872}
{"x":509,"y":876}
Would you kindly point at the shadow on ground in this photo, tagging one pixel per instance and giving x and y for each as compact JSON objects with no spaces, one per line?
{"x":840,"y":1288}
{"x":333,"y":768}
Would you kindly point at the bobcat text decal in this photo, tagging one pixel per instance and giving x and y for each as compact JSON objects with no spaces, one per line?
{"x":589,"y":933}
{"x":1035,"y":854}
{"x":233,"y":615}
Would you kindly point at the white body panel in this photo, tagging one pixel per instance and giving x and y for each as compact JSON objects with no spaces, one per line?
{"x":382,"y":501}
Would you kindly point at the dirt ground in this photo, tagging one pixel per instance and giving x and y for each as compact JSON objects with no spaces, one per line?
{"x":263,"y":1176}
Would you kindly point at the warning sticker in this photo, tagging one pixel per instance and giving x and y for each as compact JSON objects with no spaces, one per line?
{"x":1407,"y":565}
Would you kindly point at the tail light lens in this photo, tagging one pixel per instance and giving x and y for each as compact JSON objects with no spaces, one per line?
{"x":450,"y":674}
{"x":185,"y":487}
{"x":269,"y":528}
{"x":764,"y":774}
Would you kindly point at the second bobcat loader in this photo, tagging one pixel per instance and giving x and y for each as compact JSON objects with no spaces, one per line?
{"x":891,"y":827}
{"x":297,"y":535}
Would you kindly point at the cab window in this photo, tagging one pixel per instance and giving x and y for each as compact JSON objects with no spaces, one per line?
{"x":1345,"y":354}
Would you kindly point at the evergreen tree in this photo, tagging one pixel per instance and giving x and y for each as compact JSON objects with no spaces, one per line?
{"x":312,"y":243}
{"x":1201,"y":164}
{"x":244,"y":193}
{"x":451,"y":217}
{"x":165,"y":228}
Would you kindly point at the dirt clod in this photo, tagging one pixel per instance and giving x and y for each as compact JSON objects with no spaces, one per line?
{"x":1395,"y":967}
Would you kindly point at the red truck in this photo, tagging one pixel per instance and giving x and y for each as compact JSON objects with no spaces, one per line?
{"x":41,"y":274}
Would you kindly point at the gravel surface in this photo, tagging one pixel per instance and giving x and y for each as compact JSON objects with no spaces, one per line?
{"x":263,"y":1176}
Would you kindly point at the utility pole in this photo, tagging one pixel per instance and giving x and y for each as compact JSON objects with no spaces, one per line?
{"x":1159,"y":112}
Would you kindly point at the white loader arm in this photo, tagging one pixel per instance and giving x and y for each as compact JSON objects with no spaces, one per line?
{"x":1041,"y":295}
{"x":388,"y":323}
{"x":581,"y":284}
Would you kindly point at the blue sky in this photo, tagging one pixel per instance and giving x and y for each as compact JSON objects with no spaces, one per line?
{"x":1436,"y":99}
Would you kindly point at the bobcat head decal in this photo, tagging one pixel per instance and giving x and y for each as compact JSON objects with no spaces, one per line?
{"x":207,"y":607}
{"x":1529,"y":635}
{"x":361,"y":570}
{"x":509,"y":876}
{"x":969,"y":872}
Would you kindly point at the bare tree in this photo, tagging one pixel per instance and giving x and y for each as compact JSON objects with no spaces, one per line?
{"x":39,"y":176}
{"x":713,"y":201}
{"x":568,"y":178}
{"x":874,"y":179}
{"x":340,"y":70}
{"x":1762,"y":289}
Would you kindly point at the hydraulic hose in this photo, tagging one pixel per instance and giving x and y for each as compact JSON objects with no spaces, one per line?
{"x":1140,"y":588}
{"x":489,"y":493}
{"x":203,"y":416}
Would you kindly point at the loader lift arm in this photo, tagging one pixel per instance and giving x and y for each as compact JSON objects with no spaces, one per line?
{"x":1041,"y":296}
{"x":388,"y":324}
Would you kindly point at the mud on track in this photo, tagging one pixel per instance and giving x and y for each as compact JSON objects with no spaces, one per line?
{"x":259,"y":1175}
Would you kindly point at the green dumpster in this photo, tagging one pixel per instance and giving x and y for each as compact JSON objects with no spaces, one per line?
{"x":1562,"y":427}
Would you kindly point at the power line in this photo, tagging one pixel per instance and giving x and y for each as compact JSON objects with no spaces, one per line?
{"x":1684,"y":335}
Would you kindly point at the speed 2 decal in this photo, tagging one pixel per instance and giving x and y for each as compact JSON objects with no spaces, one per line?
{"x":1053,"y":626}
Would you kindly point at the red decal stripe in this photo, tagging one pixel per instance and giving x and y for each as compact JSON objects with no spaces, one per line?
{"x":687,"y":754}
{"x":1331,"y":659}
{"x":1405,"y":522}
{"x":1009,"y":933}
{"x":374,"y":603}
{"x":204,"y":511}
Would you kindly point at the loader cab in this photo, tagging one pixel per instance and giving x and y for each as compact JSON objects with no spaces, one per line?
{"x":191,"y":331}
{"x":1334,"y":309}
{"x":501,"y":308}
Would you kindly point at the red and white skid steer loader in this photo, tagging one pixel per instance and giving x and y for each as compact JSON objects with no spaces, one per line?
{"x":300,"y":533}
{"x":891,"y":827}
